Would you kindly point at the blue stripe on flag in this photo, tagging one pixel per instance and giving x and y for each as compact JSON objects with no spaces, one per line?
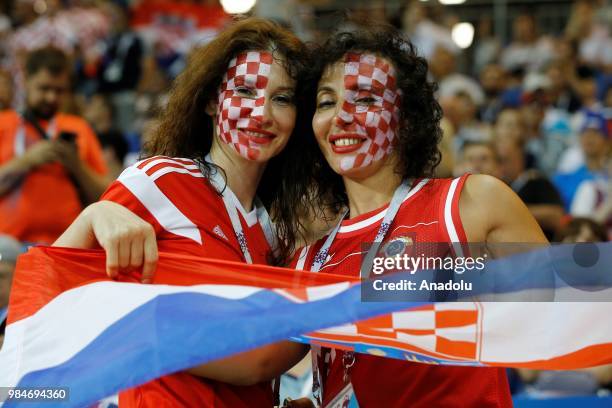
{"x":143,"y":345}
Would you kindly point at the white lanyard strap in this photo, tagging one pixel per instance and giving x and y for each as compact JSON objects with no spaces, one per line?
{"x":398,"y":198}
{"x":231,"y":205}
{"x":20,"y":139}
{"x":348,"y":359}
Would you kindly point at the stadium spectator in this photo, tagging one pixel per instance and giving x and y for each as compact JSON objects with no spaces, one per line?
{"x":527,"y":51}
{"x":509,"y":125}
{"x":494,"y":83}
{"x":469,"y":128}
{"x":561,"y":93}
{"x":545,"y":143}
{"x":582,"y":229}
{"x":536,"y":191}
{"x":592,"y":33}
{"x":46,"y":156}
{"x":443,"y":69}
{"x":99,"y":113}
{"x":487,"y":46}
{"x":595,"y":145}
{"x":425,"y":34}
{"x":115,"y":150}
{"x":585,"y":82}
{"x":585,"y":85}
{"x":594,"y":199}
{"x":478,"y":158}
{"x":120,"y":67}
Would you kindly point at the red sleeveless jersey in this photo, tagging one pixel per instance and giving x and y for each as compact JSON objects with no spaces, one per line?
{"x":428,"y":214}
{"x":189,"y":217}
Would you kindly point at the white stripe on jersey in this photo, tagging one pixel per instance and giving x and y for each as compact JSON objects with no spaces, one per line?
{"x":302,"y":258}
{"x":414,"y":225}
{"x":163,"y":159}
{"x":380,"y":215}
{"x":165,"y":170}
{"x":160,"y":206}
{"x":448,"y":218}
{"x":331,"y":265}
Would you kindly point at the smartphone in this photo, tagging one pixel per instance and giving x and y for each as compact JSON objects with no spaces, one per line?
{"x":69,"y":137}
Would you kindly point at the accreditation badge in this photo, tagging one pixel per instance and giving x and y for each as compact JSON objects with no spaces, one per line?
{"x":397,"y":246}
{"x":344,"y":399}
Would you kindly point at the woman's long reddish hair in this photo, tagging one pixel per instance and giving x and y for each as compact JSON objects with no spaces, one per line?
{"x":186,"y":130}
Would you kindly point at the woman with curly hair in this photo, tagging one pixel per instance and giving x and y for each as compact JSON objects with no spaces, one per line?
{"x":228,"y":146}
{"x":377,"y":125}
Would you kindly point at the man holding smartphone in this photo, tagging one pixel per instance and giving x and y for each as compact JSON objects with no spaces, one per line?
{"x":51,"y":163}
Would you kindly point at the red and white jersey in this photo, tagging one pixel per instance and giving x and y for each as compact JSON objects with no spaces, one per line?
{"x":189,"y":217}
{"x":428,"y":214}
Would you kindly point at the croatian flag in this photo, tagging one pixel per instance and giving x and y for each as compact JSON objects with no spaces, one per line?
{"x":544,"y":309}
{"x":71,"y":327}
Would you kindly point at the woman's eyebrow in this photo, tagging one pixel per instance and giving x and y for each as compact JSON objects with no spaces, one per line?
{"x":285,"y":88}
{"x":325,"y":88}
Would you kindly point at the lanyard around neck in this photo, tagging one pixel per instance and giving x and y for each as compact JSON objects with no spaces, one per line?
{"x":20,"y":138}
{"x":398,"y":198}
{"x":231,"y":205}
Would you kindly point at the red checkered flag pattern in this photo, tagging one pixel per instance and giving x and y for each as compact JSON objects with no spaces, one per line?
{"x":371,"y":107}
{"x":449,"y":331}
{"x":241,"y":99}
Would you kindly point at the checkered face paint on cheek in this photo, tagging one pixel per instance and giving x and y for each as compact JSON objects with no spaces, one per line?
{"x":242,"y":99}
{"x":371,"y":108}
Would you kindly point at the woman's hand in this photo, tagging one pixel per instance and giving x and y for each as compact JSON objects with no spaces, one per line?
{"x":128,"y":240}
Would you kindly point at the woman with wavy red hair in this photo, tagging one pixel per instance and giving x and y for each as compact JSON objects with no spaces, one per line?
{"x":228,"y":146}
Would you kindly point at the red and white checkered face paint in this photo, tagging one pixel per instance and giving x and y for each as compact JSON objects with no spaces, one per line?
{"x":242,"y":98}
{"x":371,"y":108}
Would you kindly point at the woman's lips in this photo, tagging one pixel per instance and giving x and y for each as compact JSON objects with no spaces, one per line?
{"x":342,"y":143}
{"x":258,"y":136}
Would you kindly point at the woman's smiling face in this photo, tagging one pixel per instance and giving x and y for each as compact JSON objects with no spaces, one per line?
{"x":255,"y":112}
{"x":357,"y":114}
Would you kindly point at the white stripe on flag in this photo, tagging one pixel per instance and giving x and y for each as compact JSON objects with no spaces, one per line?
{"x":463,"y":306}
{"x":346,"y":329}
{"x":462,"y":333}
{"x":517,"y":332}
{"x":426,"y":342}
{"x":322,"y":292}
{"x":75,"y":318}
{"x":418,"y":320}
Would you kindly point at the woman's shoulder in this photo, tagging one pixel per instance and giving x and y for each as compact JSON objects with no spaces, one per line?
{"x":156,"y":167}
{"x":174,"y":177}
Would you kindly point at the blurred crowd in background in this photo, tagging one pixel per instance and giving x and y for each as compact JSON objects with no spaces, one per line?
{"x":527,"y":93}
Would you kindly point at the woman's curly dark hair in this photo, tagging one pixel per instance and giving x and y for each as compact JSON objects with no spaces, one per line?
{"x":419,"y":130}
{"x":186,"y":130}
